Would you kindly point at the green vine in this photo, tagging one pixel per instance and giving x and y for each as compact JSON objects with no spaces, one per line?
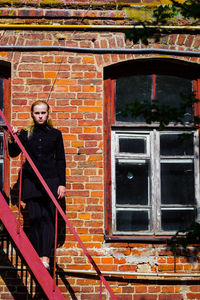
{"x":183,"y":238}
{"x":164,"y":15}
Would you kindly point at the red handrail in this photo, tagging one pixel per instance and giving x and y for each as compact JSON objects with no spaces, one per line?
{"x":58,"y":207}
{"x":28,"y":252}
{"x":20,"y":193}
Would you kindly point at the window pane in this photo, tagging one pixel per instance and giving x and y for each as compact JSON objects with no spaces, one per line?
{"x":177,"y":183}
{"x":169,"y":90}
{"x":132,"y":182}
{"x":1,"y":93}
{"x":1,"y":144}
{"x":129,"y":89}
{"x":132,"y":220}
{"x":174,"y":220}
{"x":132,"y":145}
{"x":176,"y":144}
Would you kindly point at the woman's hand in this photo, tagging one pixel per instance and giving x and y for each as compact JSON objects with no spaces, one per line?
{"x":61,"y":191}
{"x":15,"y":130}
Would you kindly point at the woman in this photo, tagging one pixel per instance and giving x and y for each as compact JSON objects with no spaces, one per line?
{"x":44,"y":144}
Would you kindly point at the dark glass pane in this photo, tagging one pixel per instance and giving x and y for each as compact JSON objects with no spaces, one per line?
{"x":1,"y":93}
{"x":132,"y":221}
{"x":177,"y":183}
{"x":169,"y":90}
{"x":132,"y":183}
{"x":1,"y":175}
{"x":176,"y":144}
{"x":174,"y":220}
{"x":129,"y":89}
{"x":132,"y":145}
{"x":1,"y":144}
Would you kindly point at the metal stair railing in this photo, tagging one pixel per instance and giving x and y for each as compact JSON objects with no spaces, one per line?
{"x":102,"y":278}
{"x":28,"y":252}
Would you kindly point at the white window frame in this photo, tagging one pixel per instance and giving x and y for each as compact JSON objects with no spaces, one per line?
{"x":153,"y":155}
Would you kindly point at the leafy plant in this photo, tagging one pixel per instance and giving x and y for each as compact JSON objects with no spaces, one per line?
{"x":163,"y":15}
{"x":183,"y":238}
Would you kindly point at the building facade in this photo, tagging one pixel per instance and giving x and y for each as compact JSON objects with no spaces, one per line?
{"x":124,"y":204}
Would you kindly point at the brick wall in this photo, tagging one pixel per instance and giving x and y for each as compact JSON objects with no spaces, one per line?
{"x":77,"y":109}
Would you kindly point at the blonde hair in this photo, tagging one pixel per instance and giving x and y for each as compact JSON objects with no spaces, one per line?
{"x":31,"y":125}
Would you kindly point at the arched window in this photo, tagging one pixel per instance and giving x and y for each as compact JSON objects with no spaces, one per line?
{"x":5,"y":107}
{"x":151,"y":175}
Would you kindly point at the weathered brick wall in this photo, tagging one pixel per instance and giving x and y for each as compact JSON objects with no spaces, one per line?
{"x":77,"y":109}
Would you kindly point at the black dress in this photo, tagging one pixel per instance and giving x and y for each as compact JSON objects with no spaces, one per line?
{"x":45,"y":147}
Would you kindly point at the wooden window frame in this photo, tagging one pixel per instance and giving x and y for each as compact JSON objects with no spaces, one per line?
{"x":164,"y":66}
{"x":5,"y":75}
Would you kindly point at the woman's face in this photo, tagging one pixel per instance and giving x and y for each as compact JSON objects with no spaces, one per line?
{"x":40,"y":113}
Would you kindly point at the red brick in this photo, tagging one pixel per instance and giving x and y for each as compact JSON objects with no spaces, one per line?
{"x":31,"y":58}
{"x":197,"y":43}
{"x":154,"y":289}
{"x":90,"y":297}
{"x":140,"y":289}
{"x":124,"y":297}
{"x":38,"y":81}
{"x":88,"y":60}
{"x":128,"y":268}
{"x":189,"y":41}
{"x":167,"y":289}
{"x":90,"y":137}
{"x":195,"y":288}
{"x":171,"y":297}
{"x":145,"y":297}
{"x":193,"y":295}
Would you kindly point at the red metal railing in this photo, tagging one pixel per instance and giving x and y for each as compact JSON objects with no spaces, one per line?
{"x":28,"y":252}
{"x":102,"y":278}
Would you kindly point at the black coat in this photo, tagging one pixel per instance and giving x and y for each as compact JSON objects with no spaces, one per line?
{"x":45,"y":147}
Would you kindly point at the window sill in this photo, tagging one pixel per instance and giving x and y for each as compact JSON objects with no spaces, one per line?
{"x":136,"y":239}
{"x":135,"y":125}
